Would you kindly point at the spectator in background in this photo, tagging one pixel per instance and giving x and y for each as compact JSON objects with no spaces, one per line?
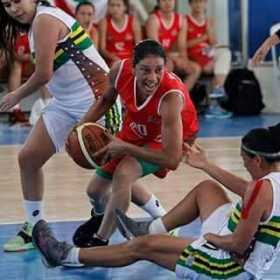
{"x":119,"y":32}
{"x":202,"y":48}
{"x":20,"y":68}
{"x":169,"y":28}
{"x":85,"y":13}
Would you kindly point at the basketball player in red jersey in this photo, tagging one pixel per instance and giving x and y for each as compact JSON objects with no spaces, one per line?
{"x":169,"y":28}
{"x":202,"y":44}
{"x":159,"y":116}
{"x":119,"y":32}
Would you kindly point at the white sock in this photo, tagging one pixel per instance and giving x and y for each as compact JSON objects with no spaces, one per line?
{"x":73,"y":256}
{"x":33,"y":210}
{"x":157,"y":227}
{"x":154,"y":207}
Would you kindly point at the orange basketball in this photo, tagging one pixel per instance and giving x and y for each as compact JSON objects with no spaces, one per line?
{"x":85,"y":140}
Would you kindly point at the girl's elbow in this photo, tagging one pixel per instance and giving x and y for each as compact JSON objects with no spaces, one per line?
{"x":174,"y":163}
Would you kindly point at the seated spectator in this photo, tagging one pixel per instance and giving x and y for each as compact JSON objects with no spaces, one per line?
{"x":169,"y":28}
{"x":20,"y":69}
{"x":85,"y":13}
{"x":119,"y":32}
{"x":202,"y":48}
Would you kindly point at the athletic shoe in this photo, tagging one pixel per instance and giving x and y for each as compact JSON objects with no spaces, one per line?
{"x":83,"y":235}
{"x":95,"y":242}
{"x":218,"y":113}
{"x":130,"y":228}
{"x":22,"y":241}
{"x":218,"y":92}
{"x":54,"y":253}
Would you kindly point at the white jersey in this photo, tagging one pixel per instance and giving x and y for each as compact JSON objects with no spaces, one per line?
{"x":79,"y":70}
{"x":204,"y":258}
{"x":267,"y":243}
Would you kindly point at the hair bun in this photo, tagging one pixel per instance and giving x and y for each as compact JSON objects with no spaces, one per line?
{"x":275,"y":135}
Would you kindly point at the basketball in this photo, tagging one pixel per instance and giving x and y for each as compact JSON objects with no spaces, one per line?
{"x":85,"y":140}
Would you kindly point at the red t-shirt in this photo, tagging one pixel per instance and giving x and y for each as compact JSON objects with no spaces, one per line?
{"x":142,"y":124}
{"x":198,"y":53}
{"x":120,"y":41}
{"x":168,"y":34}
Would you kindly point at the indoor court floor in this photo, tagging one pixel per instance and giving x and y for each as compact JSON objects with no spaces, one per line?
{"x":67,"y":205}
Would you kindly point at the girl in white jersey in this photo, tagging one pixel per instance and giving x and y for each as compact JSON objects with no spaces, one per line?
{"x":237,"y":241}
{"x":75,"y":74}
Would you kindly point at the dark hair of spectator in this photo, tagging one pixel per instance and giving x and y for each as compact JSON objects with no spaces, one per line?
{"x":9,"y":29}
{"x":84,"y":3}
{"x":264,"y":142}
{"x":146,"y":48}
{"x":127,"y":5}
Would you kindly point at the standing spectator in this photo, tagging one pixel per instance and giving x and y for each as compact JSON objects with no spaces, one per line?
{"x":169,"y":28}
{"x":85,"y":14}
{"x":119,"y":32}
{"x":202,"y":48}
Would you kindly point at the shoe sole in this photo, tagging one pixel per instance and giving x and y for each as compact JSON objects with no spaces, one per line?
{"x":7,"y":250}
{"x":123,"y":229}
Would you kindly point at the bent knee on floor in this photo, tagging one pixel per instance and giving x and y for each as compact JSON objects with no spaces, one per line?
{"x":211,"y":188}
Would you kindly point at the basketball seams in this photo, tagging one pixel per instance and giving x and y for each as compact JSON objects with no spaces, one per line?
{"x":83,"y":147}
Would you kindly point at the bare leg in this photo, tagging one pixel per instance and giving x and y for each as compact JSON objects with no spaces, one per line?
{"x":127,"y":172}
{"x":160,"y":249}
{"x":193,"y":70}
{"x":200,"y":202}
{"x":37,"y":149}
{"x":140,"y":194}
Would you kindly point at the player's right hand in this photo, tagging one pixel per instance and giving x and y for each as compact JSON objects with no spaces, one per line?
{"x":9,"y":101}
{"x":195,"y":155}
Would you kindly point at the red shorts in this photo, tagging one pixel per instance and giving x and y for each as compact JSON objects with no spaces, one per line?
{"x":200,"y":58}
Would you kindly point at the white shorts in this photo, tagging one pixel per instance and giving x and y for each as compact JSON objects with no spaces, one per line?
{"x":59,"y":120}
{"x":213,"y":224}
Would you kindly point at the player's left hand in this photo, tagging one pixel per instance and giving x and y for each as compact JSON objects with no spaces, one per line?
{"x":9,"y":101}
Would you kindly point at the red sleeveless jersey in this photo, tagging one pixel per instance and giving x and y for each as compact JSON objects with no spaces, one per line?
{"x":120,"y":41}
{"x":168,"y":34}
{"x":142,"y":124}
{"x":198,"y":53}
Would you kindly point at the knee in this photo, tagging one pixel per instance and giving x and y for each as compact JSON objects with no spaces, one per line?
{"x":127,"y":172}
{"x":196,"y":69}
{"x":97,"y":187}
{"x":208,"y":186}
{"x":28,"y":158}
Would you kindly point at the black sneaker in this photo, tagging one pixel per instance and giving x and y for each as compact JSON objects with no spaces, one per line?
{"x":53,"y":252}
{"x":84,"y":233}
